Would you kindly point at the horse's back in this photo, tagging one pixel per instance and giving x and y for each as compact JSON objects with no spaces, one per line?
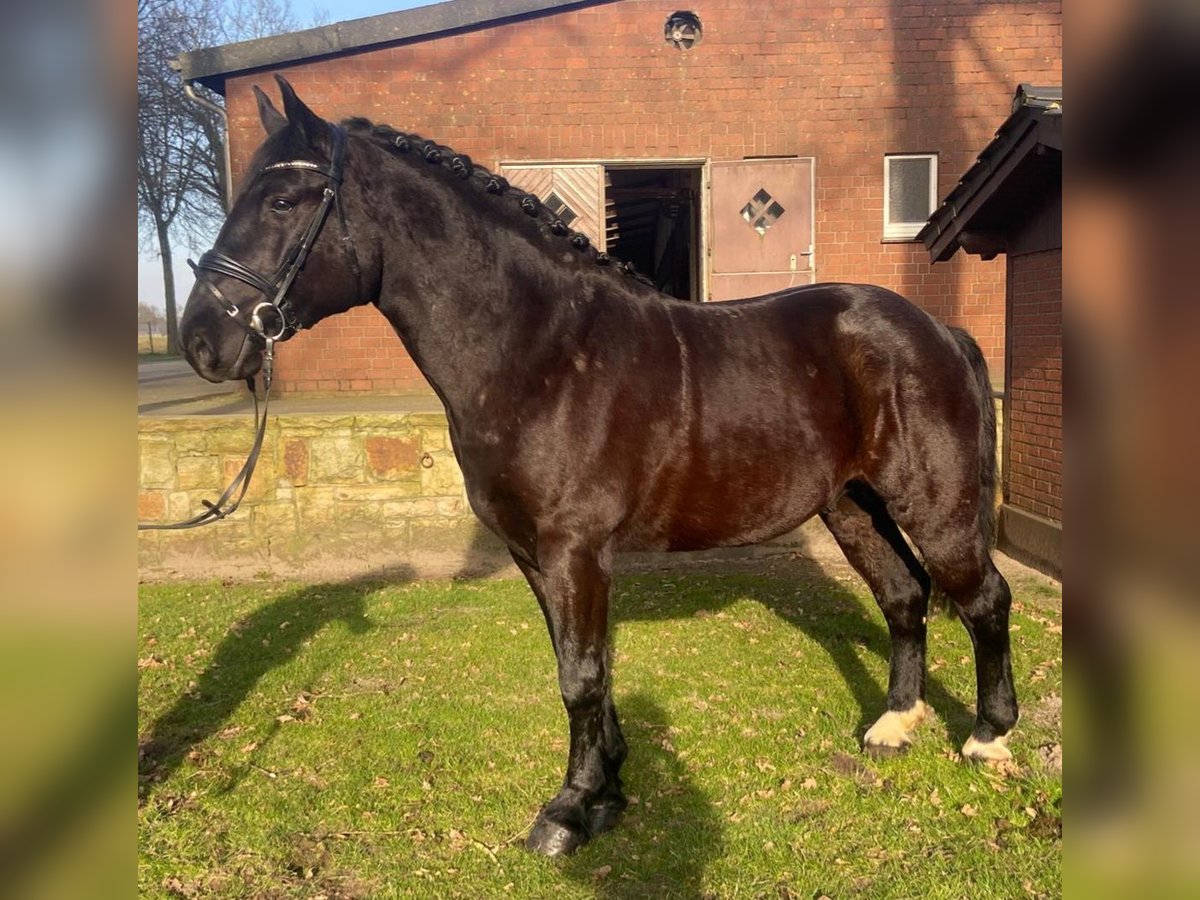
{"x":760,"y":424}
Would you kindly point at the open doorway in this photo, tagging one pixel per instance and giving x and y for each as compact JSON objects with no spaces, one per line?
{"x":652,"y":219}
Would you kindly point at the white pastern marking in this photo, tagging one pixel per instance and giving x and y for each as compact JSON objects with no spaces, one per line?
{"x":893,"y":727}
{"x":990,"y":751}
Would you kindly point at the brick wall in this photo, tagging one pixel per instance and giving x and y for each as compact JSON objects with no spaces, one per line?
{"x":1033,"y":474}
{"x":356,"y":351}
{"x":799,"y":78}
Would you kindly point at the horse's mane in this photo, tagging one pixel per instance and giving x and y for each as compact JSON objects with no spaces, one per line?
{"x":460,"y":166}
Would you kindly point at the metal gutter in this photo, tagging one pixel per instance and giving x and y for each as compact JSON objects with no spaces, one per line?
{"x":189,"y":91}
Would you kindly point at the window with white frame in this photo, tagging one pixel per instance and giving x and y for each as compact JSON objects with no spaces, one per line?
{"x":909,"y":193}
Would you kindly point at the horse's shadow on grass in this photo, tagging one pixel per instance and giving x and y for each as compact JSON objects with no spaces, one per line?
{"x":797,"y":591}
{"x":255,"y":645}
{"x":822,"y":607}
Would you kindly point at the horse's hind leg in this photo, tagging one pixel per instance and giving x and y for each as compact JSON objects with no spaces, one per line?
{"x":572,"y":587}
{"x":876,"y":549}
{"x":982,"y":598}
{"x":957,"y":555}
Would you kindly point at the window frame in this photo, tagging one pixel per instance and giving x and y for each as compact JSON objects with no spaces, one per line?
{"x":906,"y":232}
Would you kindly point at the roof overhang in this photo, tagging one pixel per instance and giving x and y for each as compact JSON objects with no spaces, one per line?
{"x":1021,"y":162}
{"x":213,"y":65}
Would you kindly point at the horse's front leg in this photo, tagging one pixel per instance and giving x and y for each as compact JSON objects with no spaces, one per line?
{"x":572,"y":585}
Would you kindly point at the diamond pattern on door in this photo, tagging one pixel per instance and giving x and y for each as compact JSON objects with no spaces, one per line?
{"x":573,"y":192}
{"x":559,"y":207}
{"x":762,"y":211}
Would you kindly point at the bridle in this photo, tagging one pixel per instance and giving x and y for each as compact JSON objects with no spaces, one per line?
{"x":276,"y":286}
{"x":275,"y":289}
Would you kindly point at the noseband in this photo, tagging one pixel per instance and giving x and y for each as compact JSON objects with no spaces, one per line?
{"x":275,"y":287}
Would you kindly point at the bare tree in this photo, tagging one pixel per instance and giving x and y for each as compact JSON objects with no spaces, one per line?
{"x":181,"y":173}
{"x":150,"y":314}
{"x":170,"y":145}
{"x":244,"y":20}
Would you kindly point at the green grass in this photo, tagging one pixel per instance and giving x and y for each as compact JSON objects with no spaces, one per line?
{"x":363,"y":740}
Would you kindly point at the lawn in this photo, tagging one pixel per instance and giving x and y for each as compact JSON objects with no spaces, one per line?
{"x":367,"y":739}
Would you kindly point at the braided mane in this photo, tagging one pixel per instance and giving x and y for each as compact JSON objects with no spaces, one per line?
{"x":460,"y":166}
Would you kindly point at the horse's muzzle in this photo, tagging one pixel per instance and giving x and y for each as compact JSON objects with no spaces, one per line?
{"x":223,"y":351}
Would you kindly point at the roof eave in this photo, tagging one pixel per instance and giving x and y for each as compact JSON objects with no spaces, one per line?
{"x":211,"y":66}
{"x":1024,"y":131}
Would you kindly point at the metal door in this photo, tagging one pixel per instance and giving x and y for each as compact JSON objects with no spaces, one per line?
{"x":575,"y":193}
{"x":760,"y":226}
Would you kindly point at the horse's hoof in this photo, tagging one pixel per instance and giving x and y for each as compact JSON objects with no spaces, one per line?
{"x":890,"y":736}
{"x":550,"y":838}
{"x":604,"y":815}
{"x":993,"y":751}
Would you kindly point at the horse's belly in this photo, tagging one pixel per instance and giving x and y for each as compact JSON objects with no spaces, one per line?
{"x":745,"y":507}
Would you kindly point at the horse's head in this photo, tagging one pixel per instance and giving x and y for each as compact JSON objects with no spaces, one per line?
{"x":285,"y":258}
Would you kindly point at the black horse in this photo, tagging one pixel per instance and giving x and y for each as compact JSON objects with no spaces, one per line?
{"x":591,"y":414}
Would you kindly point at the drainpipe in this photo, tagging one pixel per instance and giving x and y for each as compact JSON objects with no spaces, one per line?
{"x":189,"y":91}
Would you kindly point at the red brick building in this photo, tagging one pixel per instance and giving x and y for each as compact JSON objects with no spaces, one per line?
{"x":727,"y":147}
{"x":1010,"y":202}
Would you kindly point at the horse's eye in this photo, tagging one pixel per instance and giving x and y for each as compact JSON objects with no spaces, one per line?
{"x":280,"y":205}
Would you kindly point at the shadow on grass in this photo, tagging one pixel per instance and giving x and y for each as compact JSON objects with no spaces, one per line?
{"x":255,"y":645}
{"x":823,"y":608}
{"x":645,"y":852}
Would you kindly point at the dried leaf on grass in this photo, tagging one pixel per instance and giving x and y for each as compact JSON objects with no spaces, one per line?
{"x":301,"y":710}
{"x":808,"y":810}
{"x":1051,"y":756}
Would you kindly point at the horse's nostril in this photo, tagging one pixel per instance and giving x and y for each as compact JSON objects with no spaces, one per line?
{"x":201,"y":350}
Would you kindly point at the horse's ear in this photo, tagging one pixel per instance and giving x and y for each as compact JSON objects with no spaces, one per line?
{"x":272,"y":119}
{"x":312,"y":126}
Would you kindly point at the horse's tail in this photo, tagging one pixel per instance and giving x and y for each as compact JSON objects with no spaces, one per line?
{"x":987,"y":435}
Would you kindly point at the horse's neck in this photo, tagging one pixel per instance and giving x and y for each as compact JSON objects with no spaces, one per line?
{"x":469,"y":300}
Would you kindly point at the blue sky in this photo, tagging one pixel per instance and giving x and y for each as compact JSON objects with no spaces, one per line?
{"x":150,"y":282}
{"x":341,"y":10}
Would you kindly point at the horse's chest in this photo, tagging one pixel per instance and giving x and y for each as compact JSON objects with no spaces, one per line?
{"x":498,"y":497}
